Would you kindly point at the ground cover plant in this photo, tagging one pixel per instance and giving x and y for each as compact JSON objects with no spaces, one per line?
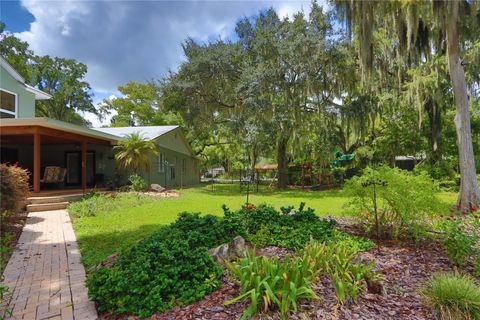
{"x":121,"y":222}
{"x":172,"y":266}
{"x":290,"y":228}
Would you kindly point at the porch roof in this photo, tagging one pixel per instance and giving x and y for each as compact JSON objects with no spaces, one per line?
{"x":22,"y":124}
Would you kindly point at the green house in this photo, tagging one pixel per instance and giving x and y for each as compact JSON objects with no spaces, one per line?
{"x":83,"y":156}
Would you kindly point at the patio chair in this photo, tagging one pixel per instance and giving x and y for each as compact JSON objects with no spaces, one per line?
{"x":53,"y":175}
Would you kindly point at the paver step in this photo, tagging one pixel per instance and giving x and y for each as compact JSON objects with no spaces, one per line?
{"x":54,"y":199}
{"x":47,"y":206}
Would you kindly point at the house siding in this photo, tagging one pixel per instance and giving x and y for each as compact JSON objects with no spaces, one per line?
{"x":25,"y":99}
{"x":175,"y":159}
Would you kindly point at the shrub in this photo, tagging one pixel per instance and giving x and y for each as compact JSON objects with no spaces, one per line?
{"x":291,"y":229}
{"x":13,"y":188}
{"x":170,"y":267}
{"x":138,"y":184}
{"x":405,"y":201}
{"x":453,"y":296}
{"x":269,"y":282}
{"x":159,"y":272}
{"x":98,"y":203}
{"x":461,"y":235}
{"x":207,"y":231}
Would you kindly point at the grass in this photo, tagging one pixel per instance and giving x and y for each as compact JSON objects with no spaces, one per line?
{"x":120,"y":226}
{"x":453,"y":296}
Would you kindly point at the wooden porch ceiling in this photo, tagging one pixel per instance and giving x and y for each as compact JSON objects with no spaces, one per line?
{"x":28,"y":139}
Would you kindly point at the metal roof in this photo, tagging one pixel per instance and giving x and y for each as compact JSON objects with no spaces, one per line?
{"x":149,"y":133}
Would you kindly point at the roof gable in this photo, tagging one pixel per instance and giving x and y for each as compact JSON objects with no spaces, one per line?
{"x":169,"y":137}
{"x":39,"y":94}
{"x":150,"y":132}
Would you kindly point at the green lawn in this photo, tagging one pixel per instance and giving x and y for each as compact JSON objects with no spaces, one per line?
{"x":113,"y":230}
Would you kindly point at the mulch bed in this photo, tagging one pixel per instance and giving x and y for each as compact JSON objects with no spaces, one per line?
{"x":405,"y":268}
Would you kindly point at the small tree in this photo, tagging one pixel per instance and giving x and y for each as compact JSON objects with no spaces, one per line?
{"x":134,"y":152}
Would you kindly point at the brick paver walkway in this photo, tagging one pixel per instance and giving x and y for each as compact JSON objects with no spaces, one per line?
{"x":45,"y":273}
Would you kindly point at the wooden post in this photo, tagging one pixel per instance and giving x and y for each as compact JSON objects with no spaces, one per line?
{"x":36,"y":162}
{"x":84,"y":165}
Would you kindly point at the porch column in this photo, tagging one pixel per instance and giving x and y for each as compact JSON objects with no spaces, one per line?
{"x":84,"y":165}
{"x":36,"y":162}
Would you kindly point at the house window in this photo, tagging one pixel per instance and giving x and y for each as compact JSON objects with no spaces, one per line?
{"x":161,"y":163}
{"x":8,"y":104}
{"x":172,"y":172}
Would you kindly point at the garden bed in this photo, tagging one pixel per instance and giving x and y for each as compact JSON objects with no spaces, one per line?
{"x":405,"y":268}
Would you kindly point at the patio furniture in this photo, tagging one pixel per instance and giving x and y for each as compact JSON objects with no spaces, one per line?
{"x":53,"y":175}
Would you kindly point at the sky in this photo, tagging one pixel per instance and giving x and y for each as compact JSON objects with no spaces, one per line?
{"x":127,"y":40}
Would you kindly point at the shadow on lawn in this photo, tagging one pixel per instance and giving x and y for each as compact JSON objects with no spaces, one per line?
{"x":233,"y":190}
{"x":97,"y":247}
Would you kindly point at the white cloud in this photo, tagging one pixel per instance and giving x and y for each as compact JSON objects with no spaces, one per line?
{"x":134,"y":40}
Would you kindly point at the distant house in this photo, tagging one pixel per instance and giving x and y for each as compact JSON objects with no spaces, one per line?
{"x":84,"y":155}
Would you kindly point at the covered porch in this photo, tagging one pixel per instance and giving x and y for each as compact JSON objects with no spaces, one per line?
{"x":83,"y":155}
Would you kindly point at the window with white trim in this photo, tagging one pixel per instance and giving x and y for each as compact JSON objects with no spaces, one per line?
{"x":8,"y":104}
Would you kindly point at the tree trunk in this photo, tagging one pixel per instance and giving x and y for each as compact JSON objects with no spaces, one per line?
{"x":282,"y":162}
{"x":435,"y":119}
{"x":253,"y":161}
{"x":469,"y":193}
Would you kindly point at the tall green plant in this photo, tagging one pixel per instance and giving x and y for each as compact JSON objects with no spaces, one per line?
{"x":269,"y":282}
{"x":134,"y":152}
{"x":404,"y":201}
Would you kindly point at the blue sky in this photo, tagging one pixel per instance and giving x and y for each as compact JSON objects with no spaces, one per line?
{"x":125,"y":39}
{"x":16,"y":17}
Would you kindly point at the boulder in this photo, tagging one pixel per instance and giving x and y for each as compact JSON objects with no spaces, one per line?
{"x":220,"y":253}
{"x":229,"y":251}
{"x":236,"y":247}
{"x":156,"y":187}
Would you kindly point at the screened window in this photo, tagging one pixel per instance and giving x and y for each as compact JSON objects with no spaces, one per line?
{"x":161,"y":163}
{"x":8,"y":104}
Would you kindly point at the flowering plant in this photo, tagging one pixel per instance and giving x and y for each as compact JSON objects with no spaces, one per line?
{"x":461,"y":240}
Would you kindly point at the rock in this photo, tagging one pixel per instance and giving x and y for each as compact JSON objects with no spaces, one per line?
{"x":156,"y":187}
{"x":228,"y":251}
{"x":236,"y":247}
{"x":220,"y":253}
{"x":107,"y":263}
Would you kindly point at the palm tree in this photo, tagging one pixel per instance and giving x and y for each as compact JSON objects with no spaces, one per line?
{"x":134,"y":152}
{"x":418,"y":23}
